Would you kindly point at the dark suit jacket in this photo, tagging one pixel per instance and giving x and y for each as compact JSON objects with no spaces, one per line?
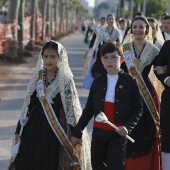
{"x":163,"y":34}
{"x":128,"y":102}
{"x":162,"y":60}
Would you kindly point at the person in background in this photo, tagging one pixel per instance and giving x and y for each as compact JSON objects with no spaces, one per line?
{"x":108,"y":33}
{"x":157,"y":36}
{"x":88,"y":55}
{"x":161,"y":20}
{"x":166,"y":27}
{"x":117,"y":95}
{"x":90,"y":27}
{"x":123,"y":26}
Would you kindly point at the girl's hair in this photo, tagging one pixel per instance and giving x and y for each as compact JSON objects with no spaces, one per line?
{"x":109,"y":16}
{"x":111,"y":47}
{"x":153,"y":20}
{"x":49,"y":44}
{"x":142,"y":18}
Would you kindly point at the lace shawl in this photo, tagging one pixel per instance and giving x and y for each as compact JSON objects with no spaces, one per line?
{"x":103,"y":35}
{"x":148,"y":54}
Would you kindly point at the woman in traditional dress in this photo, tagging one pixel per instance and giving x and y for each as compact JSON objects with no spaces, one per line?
{"x":108,"y":32}
{"x":52,"y":102}
{"x":157,"y":36}
{"x":88,"y":54}
{"x":140,"y":54}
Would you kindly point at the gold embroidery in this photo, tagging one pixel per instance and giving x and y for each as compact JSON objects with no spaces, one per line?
{"x":137,"y":62}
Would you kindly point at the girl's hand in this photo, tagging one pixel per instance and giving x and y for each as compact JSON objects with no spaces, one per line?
{"x":75,"y":141}
{"x":16,"y":139}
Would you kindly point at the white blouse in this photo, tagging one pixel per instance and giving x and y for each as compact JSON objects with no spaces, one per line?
{"x":111,"y":85}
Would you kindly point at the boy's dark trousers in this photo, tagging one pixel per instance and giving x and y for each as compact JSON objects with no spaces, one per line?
{"x":108,"y":150}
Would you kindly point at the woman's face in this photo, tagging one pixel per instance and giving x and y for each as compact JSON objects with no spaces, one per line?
{"x":153,"y":25}
{"x":139,"y":29}
{"x":110,"y":20}
{"x":50,"y":59}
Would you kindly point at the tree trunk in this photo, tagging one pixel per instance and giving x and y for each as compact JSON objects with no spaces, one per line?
{"x":48,"y":20}
{"x":61,"y":17}
{"x":12,"y":17}
{"x":31,"y":44}
{"x":56,"y":18}
{"x":21,"y":21}
{"x":43,"y":8}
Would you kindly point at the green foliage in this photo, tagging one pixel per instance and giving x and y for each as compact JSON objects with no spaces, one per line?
{"x":107,"y":6}
{"x":2,"y":2}
{"x":154,"y":8}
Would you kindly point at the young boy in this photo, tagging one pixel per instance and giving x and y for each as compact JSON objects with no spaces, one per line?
{"x":117,"y":95}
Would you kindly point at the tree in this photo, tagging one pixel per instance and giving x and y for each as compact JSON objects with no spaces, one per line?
{"x":21,"y":21}
{"x":33,"y":4}
{"x":12,"y":17}
{"x":154,"y":8}
{"x":105,"y":8}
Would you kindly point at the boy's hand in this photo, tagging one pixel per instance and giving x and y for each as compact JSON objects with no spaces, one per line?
{"x":75,"y":141}
{"x":122,"y":131}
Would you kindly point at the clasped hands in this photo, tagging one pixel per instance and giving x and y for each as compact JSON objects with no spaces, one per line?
{"x":162,"y":70}
{"x":75,"y":141}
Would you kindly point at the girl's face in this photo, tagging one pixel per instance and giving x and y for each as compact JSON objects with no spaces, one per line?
{"x":111,"y":62}
{"x":139,"y":29}
{"x":50,"y":59}
{"x":110,"y":20}
{"x":153,"y":25}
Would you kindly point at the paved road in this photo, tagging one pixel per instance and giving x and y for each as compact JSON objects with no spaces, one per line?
{"x":11,"y":104}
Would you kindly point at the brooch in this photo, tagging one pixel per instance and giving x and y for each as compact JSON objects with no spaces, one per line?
{"x":120,"y":86}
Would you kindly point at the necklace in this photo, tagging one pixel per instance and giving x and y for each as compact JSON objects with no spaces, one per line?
{"x":47,"y":83}
{"x":110,"y":32}
{"x":138,"y":50}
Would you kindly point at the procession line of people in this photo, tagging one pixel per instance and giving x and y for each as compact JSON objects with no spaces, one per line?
{"x":51,"y":133}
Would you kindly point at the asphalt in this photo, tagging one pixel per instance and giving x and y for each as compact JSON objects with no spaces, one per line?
{"x":11,"y":104}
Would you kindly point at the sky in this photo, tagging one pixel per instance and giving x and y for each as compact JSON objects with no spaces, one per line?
{"x":91,"y":3}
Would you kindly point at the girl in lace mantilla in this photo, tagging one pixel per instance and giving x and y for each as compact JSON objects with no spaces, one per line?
{"x":40,"y":148}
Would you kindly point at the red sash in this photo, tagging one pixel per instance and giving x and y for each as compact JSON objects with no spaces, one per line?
{"x":109,"y":110}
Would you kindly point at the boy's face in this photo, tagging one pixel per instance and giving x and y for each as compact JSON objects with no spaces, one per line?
{"x":111,"y":62}
{"x":166,"y":25}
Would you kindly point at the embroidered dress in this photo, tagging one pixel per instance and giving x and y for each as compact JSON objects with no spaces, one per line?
{"x":145,"y":152}
{"x":42,"y":151}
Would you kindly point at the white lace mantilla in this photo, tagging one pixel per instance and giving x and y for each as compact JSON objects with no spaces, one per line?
{"x":63,"y":84}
